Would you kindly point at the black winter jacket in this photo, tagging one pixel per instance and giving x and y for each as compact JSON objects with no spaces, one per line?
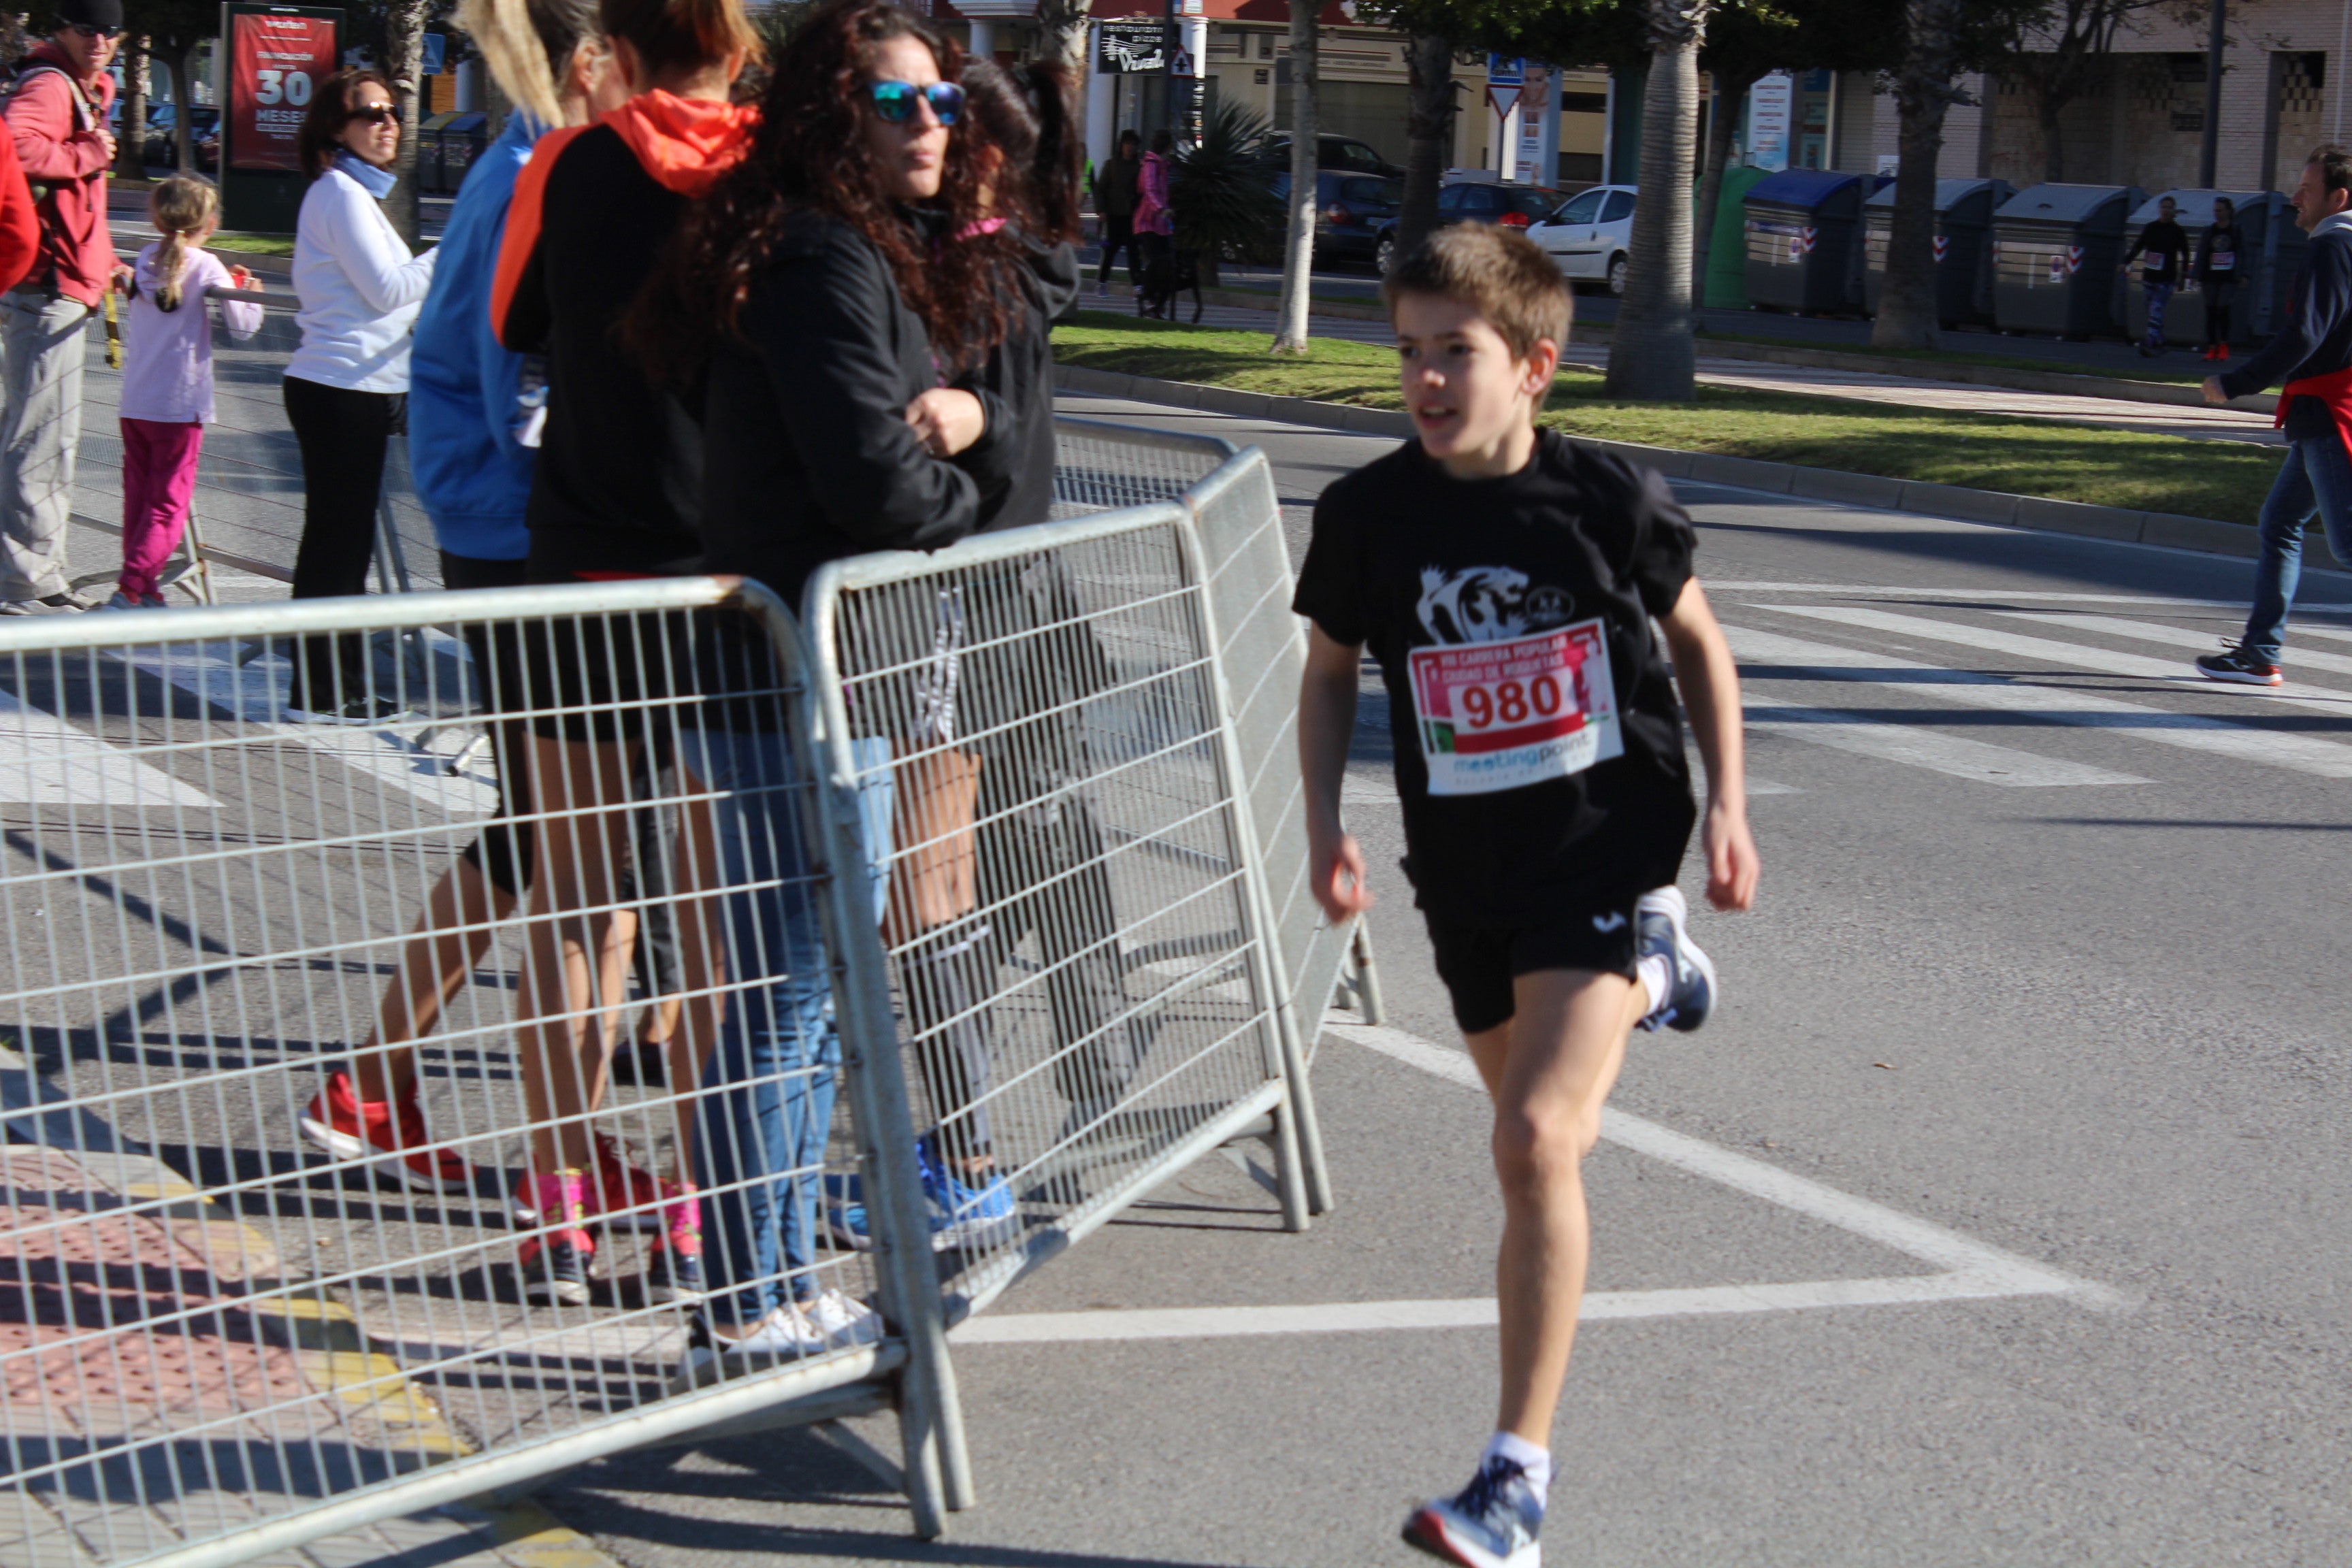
{"x":1019,"y":371}
{"x":2315,"y":339}
{"x":807,"y":455}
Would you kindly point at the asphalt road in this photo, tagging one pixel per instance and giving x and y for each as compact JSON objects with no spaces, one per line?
{"x":2039,"y":1008}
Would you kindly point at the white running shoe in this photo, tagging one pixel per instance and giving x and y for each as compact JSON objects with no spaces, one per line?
{"x":781,"y":1339}
{"x":1661,"y":928}
{"x":841,"y":1319}
{"x":1490,"y":1523}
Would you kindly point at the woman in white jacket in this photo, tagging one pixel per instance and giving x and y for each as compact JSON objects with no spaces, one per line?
{"x":347,"y":385}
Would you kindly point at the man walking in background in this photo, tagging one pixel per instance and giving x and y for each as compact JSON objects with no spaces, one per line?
{"x":1115,"y":194}
{"x":56,"y":113}
{"x":2164,"y":259}
{"x":2313,"y":354}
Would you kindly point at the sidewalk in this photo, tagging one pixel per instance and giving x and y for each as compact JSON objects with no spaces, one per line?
{"x":189,"y":1346}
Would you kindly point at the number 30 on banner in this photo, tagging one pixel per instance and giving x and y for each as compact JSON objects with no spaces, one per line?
{"x":282,"y":87}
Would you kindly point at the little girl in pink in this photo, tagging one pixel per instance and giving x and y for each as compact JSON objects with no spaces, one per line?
{"x":167,"y":379}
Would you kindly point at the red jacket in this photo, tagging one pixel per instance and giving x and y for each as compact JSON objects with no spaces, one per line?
{"x":57,"y":145}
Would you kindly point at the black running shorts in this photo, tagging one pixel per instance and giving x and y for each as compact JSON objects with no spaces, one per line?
{"x":1479,"y":963}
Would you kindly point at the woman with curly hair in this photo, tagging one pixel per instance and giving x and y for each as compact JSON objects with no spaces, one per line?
{"x":815,"y":309}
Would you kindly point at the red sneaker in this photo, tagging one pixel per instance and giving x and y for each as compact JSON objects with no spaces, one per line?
{"x":390,"y":1138}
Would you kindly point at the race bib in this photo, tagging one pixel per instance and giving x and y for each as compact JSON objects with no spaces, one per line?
{"x":2224,"y":261}
{"x":2158,"y":262}
{"x":1504,"y":715}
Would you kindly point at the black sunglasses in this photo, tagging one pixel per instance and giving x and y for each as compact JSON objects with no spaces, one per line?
{"x":895,"y":101}
{"x":378,"y":114}
{"x":86,"y":31}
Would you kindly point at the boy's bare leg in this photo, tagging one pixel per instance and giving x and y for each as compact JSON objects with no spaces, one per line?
{"x":438,"y":958}
{"x":1547,"y":1071}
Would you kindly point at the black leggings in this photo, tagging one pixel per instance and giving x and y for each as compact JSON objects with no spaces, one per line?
{"x":2217,"y":296}
{"x":502,"y":852}
{"x":1118,"y":234}
{"x":343,"y":435}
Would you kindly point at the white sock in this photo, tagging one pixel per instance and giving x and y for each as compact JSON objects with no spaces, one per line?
{"x":1657,"y":977}
{"x":1534,"y":1461}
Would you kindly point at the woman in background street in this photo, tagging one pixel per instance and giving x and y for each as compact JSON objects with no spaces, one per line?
{"x":2217,"y":275}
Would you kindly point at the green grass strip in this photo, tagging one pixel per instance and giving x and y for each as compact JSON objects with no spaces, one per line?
{"x":2224,"y":479}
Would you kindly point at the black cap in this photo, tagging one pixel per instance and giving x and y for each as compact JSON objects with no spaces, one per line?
{"x":90,"y":13}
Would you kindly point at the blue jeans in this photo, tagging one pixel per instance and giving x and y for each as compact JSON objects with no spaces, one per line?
{"x":2158,"y":296}
{"x":2316,"y":480}
{"x":766,"y":1108}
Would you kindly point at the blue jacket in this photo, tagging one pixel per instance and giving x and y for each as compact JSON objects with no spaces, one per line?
{"x":2317,"y":337}
{"x":472,"y":475}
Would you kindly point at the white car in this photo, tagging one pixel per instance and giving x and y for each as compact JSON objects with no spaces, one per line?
{"x":1588,"y":237}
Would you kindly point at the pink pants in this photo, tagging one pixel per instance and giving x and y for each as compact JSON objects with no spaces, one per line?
{"x":159,"y":475}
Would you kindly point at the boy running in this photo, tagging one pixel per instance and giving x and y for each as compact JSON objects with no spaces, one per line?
{"x":1506,"y":580}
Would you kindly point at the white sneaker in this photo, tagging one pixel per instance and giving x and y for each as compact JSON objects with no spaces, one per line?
{"x":781,"y":1339}
{"x":842,"y":1320}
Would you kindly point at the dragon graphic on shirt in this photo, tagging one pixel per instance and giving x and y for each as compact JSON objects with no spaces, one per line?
{"x":1488,"y":603}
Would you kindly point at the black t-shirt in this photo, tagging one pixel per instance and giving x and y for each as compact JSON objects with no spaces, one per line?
{"x":2163,"y":250}
{"x":1553,"y":792}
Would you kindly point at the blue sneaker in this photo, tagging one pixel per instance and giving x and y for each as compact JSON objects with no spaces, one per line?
{"x":963,"y":1217}
{"x":1660,"y":929}
{"x":844,"y":1212}
{"x":1490,"y":1523}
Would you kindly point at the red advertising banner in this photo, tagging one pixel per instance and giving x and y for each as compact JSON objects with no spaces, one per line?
{"x":275,"y":63}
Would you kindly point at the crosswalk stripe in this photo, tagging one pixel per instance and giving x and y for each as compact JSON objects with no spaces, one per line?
{"x":52,"y":762}
{"x":2171,"y":637}
{"x":2047,"y":651}
{"x":1980,"y":761}
{"x":2189,"y":731}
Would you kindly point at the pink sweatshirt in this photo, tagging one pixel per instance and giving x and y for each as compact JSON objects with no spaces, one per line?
{"x":167,"y":355}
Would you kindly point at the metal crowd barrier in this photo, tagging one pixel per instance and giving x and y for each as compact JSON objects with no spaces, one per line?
{"x":1021,"y":788}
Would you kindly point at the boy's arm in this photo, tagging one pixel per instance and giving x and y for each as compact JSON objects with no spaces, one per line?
{"x":1327,"y":723}
{"x":1710,"y":690}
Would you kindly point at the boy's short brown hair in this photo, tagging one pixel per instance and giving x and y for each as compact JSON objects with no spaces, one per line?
{"x":1502,"y":274}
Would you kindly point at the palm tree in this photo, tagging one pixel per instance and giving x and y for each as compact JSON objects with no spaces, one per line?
{"x":1299,"y":237}
{"x":1926,"y":84}
{"x":1653,"y":356}
{"x":1219,"y":191}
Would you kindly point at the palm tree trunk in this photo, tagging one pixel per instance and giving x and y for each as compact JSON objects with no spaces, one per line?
{"x":1924,"y":90}
{"x":405,"y":54}
{"x":1719,"y":133}
{"x":130,"y":155}
{"x":1653,"y":357}
{"x":183,"y":138}
{"x":1298,"y":239}
{"x":1429,"y":125}
{"x":1062,"y":36}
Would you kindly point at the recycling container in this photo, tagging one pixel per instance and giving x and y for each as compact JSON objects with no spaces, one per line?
{"x":1727,"y":258}
{"x":2269,"y":253}
{"x":1964,"y":210}
{"x":1803,"y":247}
{"x":2054,"y":249}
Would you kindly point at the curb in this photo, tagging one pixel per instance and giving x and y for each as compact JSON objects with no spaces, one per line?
{"x":324,"y":1336}
{"x":2055,"y":383}
{"x":1998,"y":508}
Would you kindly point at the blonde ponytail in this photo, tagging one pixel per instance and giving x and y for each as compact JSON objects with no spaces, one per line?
{"x":182,"y":207}
{"x":529,"y":46}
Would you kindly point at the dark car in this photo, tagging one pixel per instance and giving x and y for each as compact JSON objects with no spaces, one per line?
{"x":1350,"y":212}
{"x":163,"y":123}
{"x":1337,"y":154}
{"x":1479,"y":201}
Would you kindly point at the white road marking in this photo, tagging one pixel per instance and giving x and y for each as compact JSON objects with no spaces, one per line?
{"x":2171,"y":637}
{"x":2035,"y":595}
{"x":2172,"y":672}
{"x":254,"y":693}
{"x":2191,"y":731}
{"x":48,"y":762}
{"x":1967,"y":1269}
{"x":1980,"y":761}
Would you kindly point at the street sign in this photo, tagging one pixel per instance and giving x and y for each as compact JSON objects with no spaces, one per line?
{"x":436,"y":54}
{"x":1503,"y":99}
{"x":1132,"y":46}
{"x":1505,"y":72}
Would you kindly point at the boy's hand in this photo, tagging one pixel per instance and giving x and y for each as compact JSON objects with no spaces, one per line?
{"x":1732,"y":863}
{"x":1335,"y":876}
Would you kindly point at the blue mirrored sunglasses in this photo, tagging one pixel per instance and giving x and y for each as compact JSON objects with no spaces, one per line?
{"x":895,"y":101}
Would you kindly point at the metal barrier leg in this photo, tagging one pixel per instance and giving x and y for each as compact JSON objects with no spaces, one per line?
{"x":938,"y":1465}
{"x":1368,"y":978}
{"x":1300,"y":1127}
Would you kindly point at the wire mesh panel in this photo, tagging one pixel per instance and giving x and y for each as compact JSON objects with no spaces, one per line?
{"x":422,"y":1101}
{"x":1101,"y":467}
{"x":1074,"y":934}
{"x":1262,"y":647}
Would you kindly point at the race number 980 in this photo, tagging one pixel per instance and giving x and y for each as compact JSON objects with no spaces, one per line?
{"x":282,"y":87}
{"x":1510,"y":703}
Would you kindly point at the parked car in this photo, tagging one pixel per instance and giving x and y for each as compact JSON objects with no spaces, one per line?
{"x":1350,"y":211}
{"x":163,"y":122}
{"x":1589,"y":236}
{"x":1484,"y":201}
{"x":1341,"y":155}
